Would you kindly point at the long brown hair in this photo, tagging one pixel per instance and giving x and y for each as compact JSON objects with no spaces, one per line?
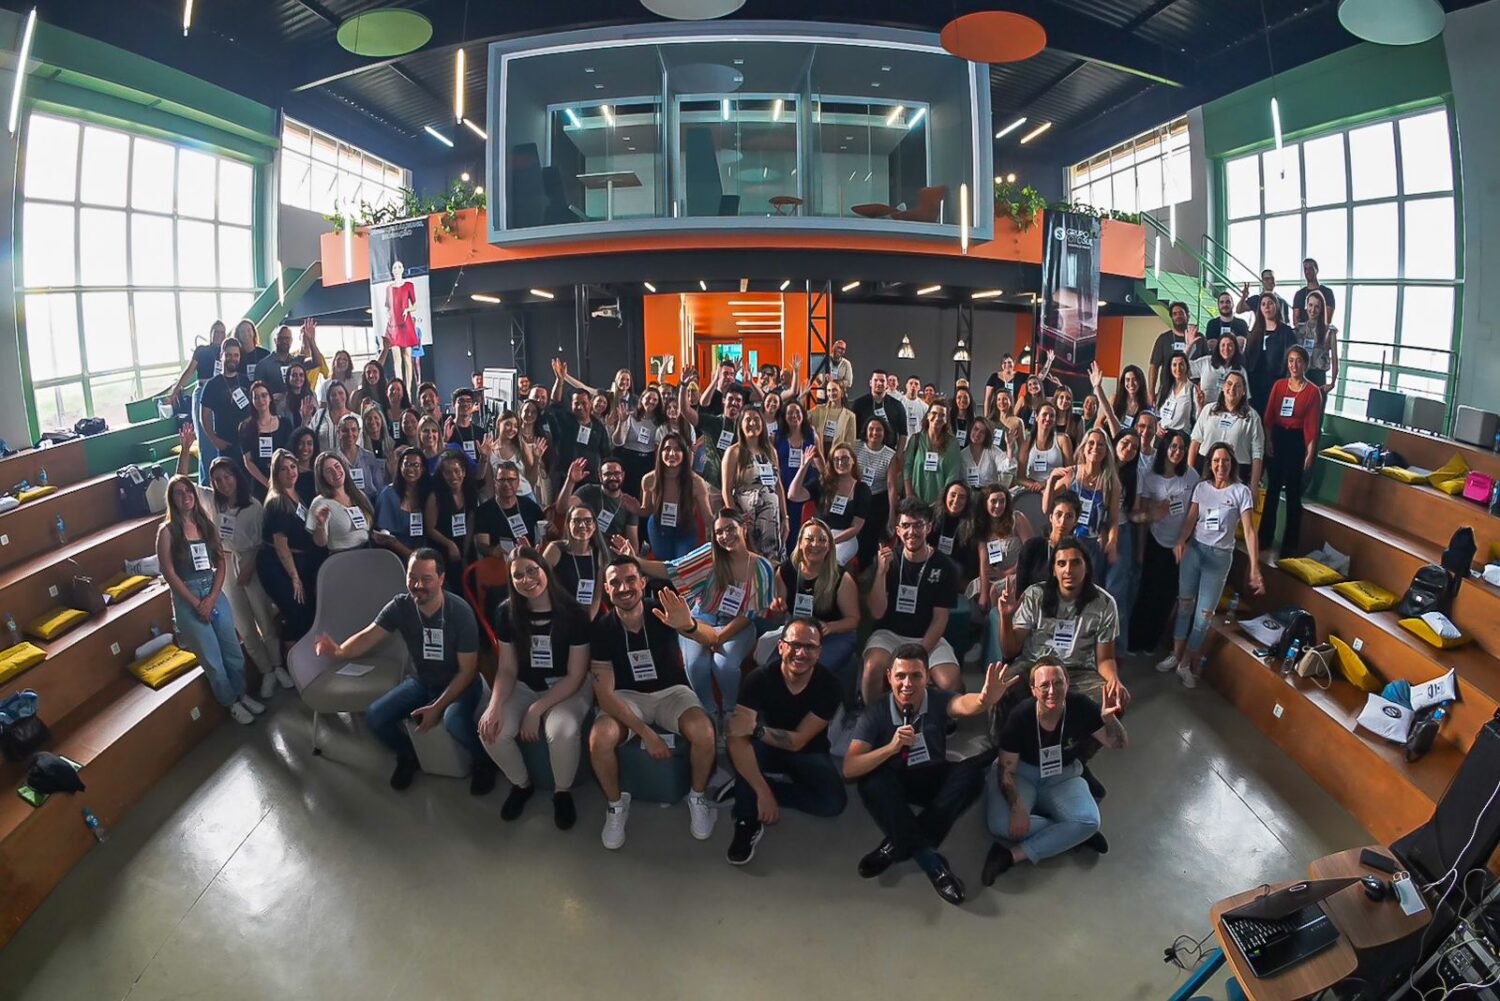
{"x":208,"y":532}
{"x":686,"y":495}
{"x":350,"y":490}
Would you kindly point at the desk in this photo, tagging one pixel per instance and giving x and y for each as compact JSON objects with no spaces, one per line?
{"x":1303,"y":980}
{"x":609,"y":180}
{"x":1367,"y":924}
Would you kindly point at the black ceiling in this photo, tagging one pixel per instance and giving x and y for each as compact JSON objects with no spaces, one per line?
{"x":1095,"y":82}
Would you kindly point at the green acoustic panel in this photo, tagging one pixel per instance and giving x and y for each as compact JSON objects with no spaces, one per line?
{"x":389,"y":31}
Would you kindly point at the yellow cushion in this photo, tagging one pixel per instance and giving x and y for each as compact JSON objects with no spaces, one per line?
{"x":177,"y":449}
{"x":1421,"y":629}
{"x":1353,"y":667}
{"x":1310,"y":571}
{"x":120,"y":586}
{"x":1337,"y":452}
{"x":52,"y":624}
{"x":33,"y":493}
{"x":1451,"y":487}
{"x":1402,"y":475}
{"x":1367,"y":595}
{"x":163,"y":665}
{"x":21,"y":657}
{"x":1452,"y":471}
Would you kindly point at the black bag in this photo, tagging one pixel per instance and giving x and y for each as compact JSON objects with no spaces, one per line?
{"x":23,"y":736}
{"x":1296,"y":624}
{"x":1424,"y":730}
{"x":130,"y":484}
{"x":1459,"y":557}
{"x":1431,"y":590}
{"x":91,"y":425}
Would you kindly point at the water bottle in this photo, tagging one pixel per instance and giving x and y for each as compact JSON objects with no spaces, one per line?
{"x":13,"y":631}
{"x":1290,"y":660}
{"x":42,"y":475}
{"x":62,"y":531}
{"x":98,"y":830}
{"x":1234,"y":606}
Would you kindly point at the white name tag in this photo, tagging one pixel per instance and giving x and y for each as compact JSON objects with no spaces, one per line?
{"x":880,"y":413}
{"x":997,"y":438}
{"x":668,"y":514}
{"x":642,"y":667}
{"x":265,"y":448}
{"x":794,"y":458}
{"x":583,"y":434}
{"x":414,"y":524}
{"x":1179,"y":345}
{"x":1085,"y":510}
{"x":541,"y":652}
{"x":963,"y":437}
{"x":432,"y":643}
{"x":732,"y":600}
{"x":643,"y":435}
{"x":1213,"y":518}
{"x":840,"y":505}
{"x":301,"y":512}
{"x":1307,"y":343}
{"x":995,"y":551}
{"x":945,"y":545}
{"x":357,"y":518}
{"x":767,"y":474}
{"x":1050,"y":759}
{"x":830,"y":428}
{"x":284,"y":369}
{"x":240,"y":399}
{"x":1287,"y":403}
{"x":606,"y":518}
{"x":773,"y":427}
{"x":1038,"y":464}
{"x":585,"y":592}
{"x":906,"y":598}
{"x":1168,"y":408}
{"x":199,"y":552}
{"x":1226,"y":422}
{"x":1127,"y":421}
{"x":930,"y":462}
{"x":802,"y":605}
{"x":357,"y":474}
{"x":1175,"y":506}
{"x":917,"y":753}
{"x":868,"y":475}
{"x":218,"y":366}
{"x":1064,"y":636}
{"x":726,"y":438}
{"x":470,"y":450}
{"x":973,"y":476}
{"x":460,"y":525}
{"x":226,"y":527}
{"x":516,"y":525}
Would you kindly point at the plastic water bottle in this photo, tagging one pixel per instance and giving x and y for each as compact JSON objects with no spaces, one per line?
{"x":12,"y":631}
{"x":62,"y":531}
{"x":1290,"y":660}
{"x":1234,"y":606}
{"x":42,"y":475}
{"x":98,"y":830}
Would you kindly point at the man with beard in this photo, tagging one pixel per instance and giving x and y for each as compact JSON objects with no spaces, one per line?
{"x":1226,"y":323}
{"x":1167,"y":342}
{"x":880,"y":405}
{"x":226,"y":402}
{"x":272,"y":369}
{"x":613,"y":511}
{"x":718,"y":432}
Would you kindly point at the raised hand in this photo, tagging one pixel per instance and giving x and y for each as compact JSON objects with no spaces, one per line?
{"x":1096,"y":375}
{"x":578,"y":470}
{"x":673,"y":611}
{"x":621,"y":545}
{"x":996,"y":683}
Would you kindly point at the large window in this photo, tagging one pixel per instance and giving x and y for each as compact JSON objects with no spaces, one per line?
{"x":131,"y":248}
{"x":323,"y":174}
{"x":1147,"y":172}
{"x":1374,"y":205}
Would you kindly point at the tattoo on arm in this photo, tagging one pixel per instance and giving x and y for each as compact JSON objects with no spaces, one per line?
{"x":1114,"y":732}
{"x":783,"y":739}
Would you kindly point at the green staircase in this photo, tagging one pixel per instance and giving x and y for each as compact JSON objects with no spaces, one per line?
{"x":1159,"y":288}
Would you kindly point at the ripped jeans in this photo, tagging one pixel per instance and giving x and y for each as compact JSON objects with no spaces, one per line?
{"x":1200,"y":582}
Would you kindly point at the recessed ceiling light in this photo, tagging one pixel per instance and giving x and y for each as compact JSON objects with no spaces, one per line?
{"x":739,"y":62}
{"x":843,"y":147}
{"x":850,"y":287}
{"x":874,"y":83}
{"x":493,"y":300}
{"x":703,"y":284}
{"x":848,"y":137}
{"x":929,"y":289}
{"x":543,"y":293}
{"x":885,"y":69}
{"x":598,"y":86}
{"x":649,"y":286}
{"x":630,"y":148}
{"x":588,"y":69}
{"x":988,"y":293}
{"x":785,"y":284}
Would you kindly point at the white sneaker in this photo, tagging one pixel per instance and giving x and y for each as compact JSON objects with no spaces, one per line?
{"x":255,"y":707}
{"x":1186,"y":676}
{"x":615,"y":816}
{"x":267,"y":686}
{"x":240,"y":714}
{"x":284,"y":678}
{"x":701,"y":816}
{"x":1168,"y":665}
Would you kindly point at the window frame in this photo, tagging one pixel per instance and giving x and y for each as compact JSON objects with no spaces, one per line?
{"x":292,"y":129}
{"x":1160,"y":144}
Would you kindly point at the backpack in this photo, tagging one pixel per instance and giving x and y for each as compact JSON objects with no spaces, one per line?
{"x":1431,"y":590}
{"x":130,"y":486}
{"x":1297,"y":625}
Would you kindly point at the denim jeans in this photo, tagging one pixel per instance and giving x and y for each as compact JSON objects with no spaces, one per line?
{"x":1123,"y":580}
{"x":670,"y":543}
{"x":214,"y":641}
{"x":1200,"y":582}
{"x":1063,"y":813}
{"x":704,"y":667}
{"x":385,"y":715}
{"x":811,"y":783}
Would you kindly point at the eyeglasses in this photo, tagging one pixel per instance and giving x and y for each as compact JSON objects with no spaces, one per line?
{"x":800,"y":648}
{"x":1045,"y":686}
{"x":527,"y":573}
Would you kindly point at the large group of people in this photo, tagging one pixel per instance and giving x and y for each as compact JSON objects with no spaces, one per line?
{"x":725,"y":567}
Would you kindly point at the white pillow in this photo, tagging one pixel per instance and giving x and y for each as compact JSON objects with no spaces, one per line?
{"x":1442,"y":625}
{"x":1430,"y":693}
{"x":1264,"y":629}
{"x":1492,"y":574}
{"x":1386,"y":718}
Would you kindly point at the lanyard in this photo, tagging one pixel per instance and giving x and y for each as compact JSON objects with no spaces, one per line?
{"x":1060,"y":724}
{"x":901,"y":571}
{"x":578,"y":571}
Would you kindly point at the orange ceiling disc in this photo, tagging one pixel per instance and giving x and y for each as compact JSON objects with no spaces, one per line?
{"x":994,"y":36}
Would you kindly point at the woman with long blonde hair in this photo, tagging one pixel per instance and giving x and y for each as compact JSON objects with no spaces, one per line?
{"x":812,"y":585}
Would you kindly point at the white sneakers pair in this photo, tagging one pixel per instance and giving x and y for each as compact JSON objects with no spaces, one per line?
{"x":1184,"y":671}
{"x":701,"y":817}
{"x":269,"y":682}
{"x":245,"y":710}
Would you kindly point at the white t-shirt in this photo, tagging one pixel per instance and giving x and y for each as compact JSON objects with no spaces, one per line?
{"x":1177,"y":491}
{"x":984,"y":470}
{"x":343,"y":532}
{"x":1246,"y":435}
{"x":1219,"y":512}
{"x":1211,"y":379}
{"x":1176,"y":411}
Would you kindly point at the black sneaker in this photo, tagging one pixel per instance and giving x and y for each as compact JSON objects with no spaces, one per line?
{"x":996,"y":863}
{"x":402,"y":776}
{"x":747,"y":834}
{"x":564,"y":813}
{"x":1098,"y":843}
{"x":482,"y":778}
{"x":515,"y":802}
{"x":1096,"y":788}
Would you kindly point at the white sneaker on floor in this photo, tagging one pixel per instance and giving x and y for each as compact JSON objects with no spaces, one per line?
{"x":241,"y":715}
{"x":614,"y":823}
{"x":701,"y":816}
{"x":1168,"y":664}
{"x":1186,"y":676}
{"x":267,"y":686}
{"x":255,"y":707}
{"x":284,"y":678}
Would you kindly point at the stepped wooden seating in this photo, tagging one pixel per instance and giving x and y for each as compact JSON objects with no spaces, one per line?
{"x":124,"y":734}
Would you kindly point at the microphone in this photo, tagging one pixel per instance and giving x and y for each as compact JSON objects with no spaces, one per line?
{"x":906,"y":719}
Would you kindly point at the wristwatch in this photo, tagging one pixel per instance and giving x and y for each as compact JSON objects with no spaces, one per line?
{"x":759,"y":731}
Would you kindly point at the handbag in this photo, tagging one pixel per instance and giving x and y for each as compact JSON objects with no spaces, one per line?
{"x":1478,"y":487}
{"x":1316,"y":664}
{"x":86,"y":594}
{"x":1298,"y":625}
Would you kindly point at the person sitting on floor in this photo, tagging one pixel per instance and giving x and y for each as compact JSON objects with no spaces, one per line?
{"x":1034,"y":564}
{"x":778,"y":741}
{"x":898,"y":756}
{"x":1040,"y":805}
{"x":442,"y":637}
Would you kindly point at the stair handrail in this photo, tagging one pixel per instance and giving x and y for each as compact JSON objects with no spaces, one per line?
{"x":1207,"y":268}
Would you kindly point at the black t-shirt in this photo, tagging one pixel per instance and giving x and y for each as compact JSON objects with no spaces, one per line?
{"x":765,"y":691}
{"x":888,"y":410}
{"x":1218,"y":327}
{"x":283,"y":519}
{"x":571,"y":569}
{"x":250,"y":359}
{"x":797,"y":585}
{"x":434,"y":642}
{"x":840,"y":516}
{"x":567,"y":446}
{"x":1299,"y":301}
{"x":261,"y":445}
{"x":1267,"y":363}
{"x":1167,"y":342}
{"x":495,"y":522}
{"x":1018,"y":733}
{"x":228,"y":400}
{"x":610,"y":514}
{"x":998,"y":384}
{"x":466,"y":441}
{"x":963,"y":553}
{"x":205,"y":360}
{"x":712,"y":428}
{"x":936,"y":581}
{"x":624,"y":651}
{"x":553,"y":635}
{"x":879,"y":722}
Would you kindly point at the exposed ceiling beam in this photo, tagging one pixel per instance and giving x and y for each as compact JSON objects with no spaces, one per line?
{"x":313,"y":7}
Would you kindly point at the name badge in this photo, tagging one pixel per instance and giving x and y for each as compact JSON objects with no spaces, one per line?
{"x":868,"y":476}
{"x":668,"y":514}
{"x":995,"y":551}
{"x":840,"y":505}
{"x":414,"y":524}
{"x":726,"y":438}
{"x":732,"y":600}
{"x":1213,"y":519}
{"x":906,"y":598}
{"x":1085,"y":510}
{"x":226,"y":527}
{"x":767,"y":474}
{"x":460,"y":525}
{"x":830,"y":428}
{"x":357,"y":474}
{"x":284,"y":370}
{"x":357,"y":518}
{"x":264,"y":448}
{"x":794,"y":458}
{"x":963,"y":437}
{"x":802,"y":606}
{"x":945,"y":545}
{"x":911,"y":422}
{"x":470,"y":450}
{"x":541,"y":652}
{"x":199,"y":551}
{"x":973,"y":476}
{"x":997,"y":439}
{"x":240,"y":399}
{"x":1175,"y":506}
{"x":1226,"y":422}
{"x":432,"y":643}
{"x":583,"y":434}
{"x":917,"y":753}
{"x":930,"y":462}
{"x":1050,"y":760}
{"x":880,"y":413}
{"x":1287,"y":403}
{"x":642,"y":667}
{"x":773,"y":427}
{"x":585,"y":592}
{"x":1064,"y":636}
{"x":1127,"y":421}
{"x":516,"y":525}
{"x":1168,"y":408}
{"x":606,"y":518}
{"x":1308,"y":342}
{"x":218,"y":366}
{"x":643,"y":435}
{"x":1179,"y":345}
{"x":1039,"y":464}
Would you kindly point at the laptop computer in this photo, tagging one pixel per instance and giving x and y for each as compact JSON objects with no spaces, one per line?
{"x":1281,"y":929}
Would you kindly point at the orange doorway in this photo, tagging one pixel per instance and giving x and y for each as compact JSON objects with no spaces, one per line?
{"x":756,"y":328}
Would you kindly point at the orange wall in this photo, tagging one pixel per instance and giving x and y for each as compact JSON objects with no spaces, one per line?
{"x":663,"y":325}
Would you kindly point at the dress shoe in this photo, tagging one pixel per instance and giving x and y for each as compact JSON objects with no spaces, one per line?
{"x":879,"y":860}
{"x":947,"y":885}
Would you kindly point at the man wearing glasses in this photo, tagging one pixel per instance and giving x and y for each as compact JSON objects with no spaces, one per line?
{"x":507,"y":520}
{"x":780,"y":729}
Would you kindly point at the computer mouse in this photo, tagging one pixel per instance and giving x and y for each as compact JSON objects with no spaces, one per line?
{"x":1375,"y":888}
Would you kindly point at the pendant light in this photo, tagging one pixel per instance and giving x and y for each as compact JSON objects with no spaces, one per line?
{"x":906,"y":351}
{"x":1393,"y":22}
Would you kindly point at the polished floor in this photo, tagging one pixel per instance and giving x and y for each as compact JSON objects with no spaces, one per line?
{"x":257,"y":871}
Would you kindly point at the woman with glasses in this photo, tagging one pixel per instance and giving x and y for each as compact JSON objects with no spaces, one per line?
{"x":577,"y":562}
{"x":844,"y":503}
{"x":400,"y":514}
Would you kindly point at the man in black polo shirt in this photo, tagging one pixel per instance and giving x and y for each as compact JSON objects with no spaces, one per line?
{"x":1167,"y":342}
{"x":911,"y":598}
{"x":780,"y":729}
{"x":226,"y":402}
{"x":612,"y":509}
{"x":1251,"y":303}
{"x":1299,"y":301}
{"x":442,"y":637}
{"x":899,"y":758}
{"x":881,"y":406}
{"x":1226,"y":323}
{"x":640,"y":683}
{"x":507,"y":520}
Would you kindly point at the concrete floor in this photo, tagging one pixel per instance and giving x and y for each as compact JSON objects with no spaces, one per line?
{"x":257,"y":871}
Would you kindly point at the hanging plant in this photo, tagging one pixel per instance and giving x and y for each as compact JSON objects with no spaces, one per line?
{"x":1023,"y":206}
{"x":410,"y":205}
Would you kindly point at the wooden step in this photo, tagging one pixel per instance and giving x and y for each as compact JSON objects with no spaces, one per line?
{"x":86,"y":507}
{"x":128,"y":738}
{"x":1432,"y":451}
{"x":1421,"y":511}
{"x":1368,"y":775}
{"x":25,"y":588}
{"x":65,"y":464}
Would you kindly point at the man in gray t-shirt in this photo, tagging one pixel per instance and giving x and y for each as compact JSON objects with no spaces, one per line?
{"x":442,"y":637}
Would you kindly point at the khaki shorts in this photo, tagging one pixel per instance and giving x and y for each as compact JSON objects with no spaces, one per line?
{"x":663,"y":709}
{"x":884,"y":639}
